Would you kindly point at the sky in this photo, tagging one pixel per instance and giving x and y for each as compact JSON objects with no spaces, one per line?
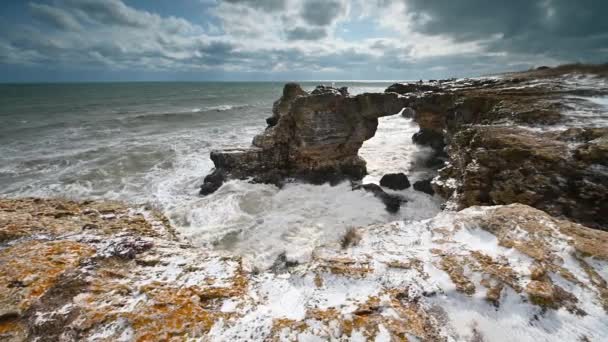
{"x":280,"y":40}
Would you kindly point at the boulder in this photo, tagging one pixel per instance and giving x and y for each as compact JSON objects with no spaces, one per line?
{"x":424,"y":186}
{"x":395,"y":181}
{"x":312,"y":137}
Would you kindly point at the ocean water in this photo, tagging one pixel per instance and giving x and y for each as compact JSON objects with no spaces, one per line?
{"x":149,"y":144}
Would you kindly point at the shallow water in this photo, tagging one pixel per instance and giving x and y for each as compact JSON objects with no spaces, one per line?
{"x":148,"y":143}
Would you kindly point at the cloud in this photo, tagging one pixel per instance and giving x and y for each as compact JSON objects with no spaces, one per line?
{"x":269,"y":5}
{"x":54,"y":17}
{"x":321,"y":12}
{"x":302,"y":33}
{"x":311,"y":38}
{"x":558,"y":28}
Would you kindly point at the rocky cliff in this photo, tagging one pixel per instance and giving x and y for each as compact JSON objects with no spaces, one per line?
{"x":101,"y":271}
{"x":537,"y":138}
{"x":526,"y":269}
{"x":311,"y":136}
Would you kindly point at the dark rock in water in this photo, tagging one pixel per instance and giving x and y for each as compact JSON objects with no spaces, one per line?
{"x":543,"y":67}
{"x":424,"y":186}
{"x":429,"y":137}
{"x":312,"y":137}
{"x":212,"y":182}
{"x":395,"y":181}
{"x":391,"y":202}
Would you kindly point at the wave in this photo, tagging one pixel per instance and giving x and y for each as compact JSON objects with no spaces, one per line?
{"x":192,"y":112}
{"x":223,"y":108}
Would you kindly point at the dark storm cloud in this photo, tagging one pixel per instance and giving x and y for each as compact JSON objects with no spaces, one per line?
{"x":559,"y":28}
{"x":321,"y":12}
{"x":54,"y":17}
{"x":303,"y":33}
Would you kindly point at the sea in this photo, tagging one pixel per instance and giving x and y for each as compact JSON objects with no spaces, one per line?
{"x":148,"y":144}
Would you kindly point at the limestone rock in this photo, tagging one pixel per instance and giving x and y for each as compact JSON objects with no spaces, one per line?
{"x":502,"y":165}
{"x":314,"y":137}
{"x":434,"y":280}
{"x":505,"y":140}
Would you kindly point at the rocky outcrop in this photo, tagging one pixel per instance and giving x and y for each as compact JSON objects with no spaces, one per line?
{"x":311,"y":136}
{"x":395,"y":181}
{"x":72,"y":271}
{"x":562,"y":173}
{"x":507,"y":140}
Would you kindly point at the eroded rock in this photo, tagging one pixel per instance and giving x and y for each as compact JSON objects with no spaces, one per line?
{"x":507,"y":141}
{"x":553,"y":171}
{"x":434,"y":280}
{"x":313,"y":137}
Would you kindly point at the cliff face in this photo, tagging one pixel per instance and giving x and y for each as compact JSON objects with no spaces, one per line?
{"x":537,"y":138}
{"x":505,"y":138}
{"x":314,"y":137}
{"x":76,"y":271}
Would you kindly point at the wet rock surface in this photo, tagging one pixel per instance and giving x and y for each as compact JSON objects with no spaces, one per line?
{"x":313,"y":137}
{"x":391,"y":202}
{"x":424,"y":186}
{"x":535,"y":137}
{"x":458,"y":276}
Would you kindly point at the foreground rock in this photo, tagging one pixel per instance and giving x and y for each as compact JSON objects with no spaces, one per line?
{"x":102,"y":271}
{"x":507,"y":140}
{"x":313,"y":136}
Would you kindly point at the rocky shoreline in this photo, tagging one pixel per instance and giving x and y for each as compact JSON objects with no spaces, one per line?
{"x":517,"y":138}
{"x":522,"y":247}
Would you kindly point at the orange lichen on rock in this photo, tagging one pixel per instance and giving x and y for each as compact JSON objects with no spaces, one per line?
{"x":29,"y":269}
{"x":454,"y":267}
{"x":12,"y":330}
{"x":30,"y":216}
{"x":172,"y":313}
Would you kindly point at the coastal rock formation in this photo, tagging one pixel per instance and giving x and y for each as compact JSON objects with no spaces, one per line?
{"x":562,"y":173}
{"x":311,"y":136}
{"x":536,"y":138}
{"x":75,"y":271}
{"x":395,"y":181}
